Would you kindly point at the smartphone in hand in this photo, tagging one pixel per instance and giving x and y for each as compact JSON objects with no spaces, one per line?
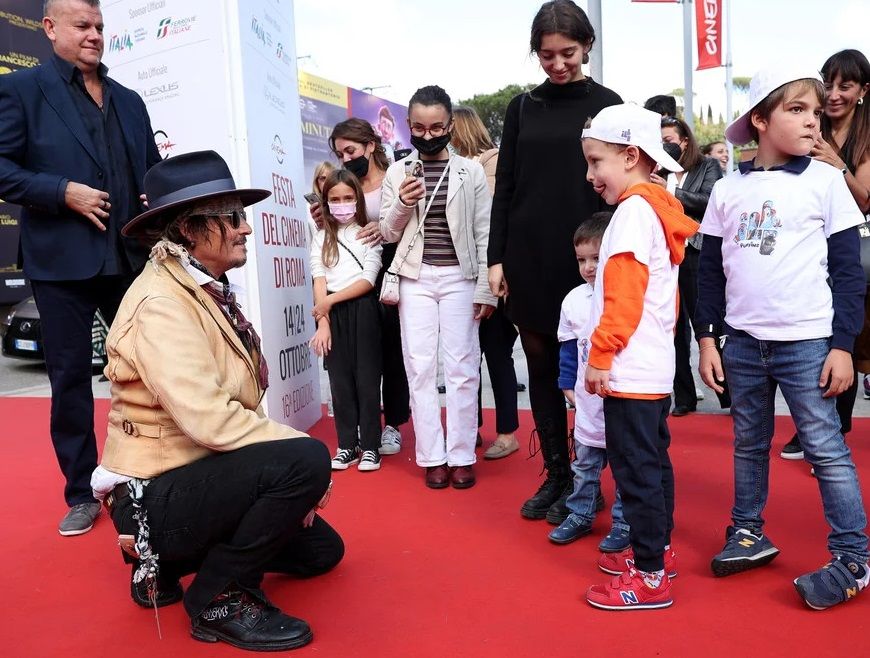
{"x":414,"y":168}
{"x":311,"y":197}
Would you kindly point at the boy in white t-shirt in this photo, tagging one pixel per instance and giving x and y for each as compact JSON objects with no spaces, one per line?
{"x":631,"y":361}
{"x":590,"y":452}
{"x":776,"y":232}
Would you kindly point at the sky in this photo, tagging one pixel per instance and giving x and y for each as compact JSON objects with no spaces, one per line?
{"x":479,"y":46}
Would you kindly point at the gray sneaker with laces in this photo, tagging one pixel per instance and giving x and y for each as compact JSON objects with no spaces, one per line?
{"x":79,"y":519}
{"x":391,"y":441}
{"x":743,"y":551}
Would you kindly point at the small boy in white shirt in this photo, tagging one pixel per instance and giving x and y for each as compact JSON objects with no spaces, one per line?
{"x":781,"y":256}
{"x":631,"y":360}
{"x":590,"y":453}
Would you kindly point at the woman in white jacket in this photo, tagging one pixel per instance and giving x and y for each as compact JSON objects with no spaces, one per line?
{"x":444,"y":292}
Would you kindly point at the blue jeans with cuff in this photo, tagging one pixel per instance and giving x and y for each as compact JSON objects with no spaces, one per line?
{"x":588,"y":463}
{"x":754,"y":368}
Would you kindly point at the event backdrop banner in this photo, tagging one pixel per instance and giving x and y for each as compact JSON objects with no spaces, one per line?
{"x":23,"y":44}
{"x":325,"y":103}
{"x":221,"y":75}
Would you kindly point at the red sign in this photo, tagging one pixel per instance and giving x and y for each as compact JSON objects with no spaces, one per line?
{"x":671,"y":1}
{"x":708,"y":15}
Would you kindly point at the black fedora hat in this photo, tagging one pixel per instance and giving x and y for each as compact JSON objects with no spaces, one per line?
{"x":185,"y":179}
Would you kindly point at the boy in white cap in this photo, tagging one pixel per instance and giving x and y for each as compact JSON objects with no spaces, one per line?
{"x":791,"y":286}
{"x":631,"y":362}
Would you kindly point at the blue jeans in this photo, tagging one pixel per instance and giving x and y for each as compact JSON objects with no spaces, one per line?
{"x":587,"y":466}
{"x":754,"y":369}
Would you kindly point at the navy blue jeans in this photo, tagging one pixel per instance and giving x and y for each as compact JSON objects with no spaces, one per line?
{"x":637,"y":438}
{"x":754,"y":369}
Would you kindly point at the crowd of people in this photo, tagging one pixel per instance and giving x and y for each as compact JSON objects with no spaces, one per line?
{"x":453,"y":251}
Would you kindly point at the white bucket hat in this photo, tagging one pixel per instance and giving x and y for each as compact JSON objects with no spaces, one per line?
{"x":764,"y":83}
{"x":632,"y":125}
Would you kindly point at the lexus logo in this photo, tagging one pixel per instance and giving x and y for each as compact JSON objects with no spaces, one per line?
{"x":26,"y":327}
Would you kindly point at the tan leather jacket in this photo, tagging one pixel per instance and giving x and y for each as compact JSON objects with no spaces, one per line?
{"x":183,"y":385}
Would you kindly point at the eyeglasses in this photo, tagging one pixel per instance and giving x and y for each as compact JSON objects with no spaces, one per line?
{"x":435,"y":131}
{"x":236,"y":217}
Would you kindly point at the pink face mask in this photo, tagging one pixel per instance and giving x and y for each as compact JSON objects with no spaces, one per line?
{"x":343,"y":212}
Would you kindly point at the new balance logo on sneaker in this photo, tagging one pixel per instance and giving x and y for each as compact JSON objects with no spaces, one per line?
{"x":743,"y":551}
{"x":628,"y":591}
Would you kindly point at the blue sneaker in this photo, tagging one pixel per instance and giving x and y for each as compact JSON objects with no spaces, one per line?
{"x":570,"y":530}
{"x":836,"y":582}
{"x":743,"y":551}
{"x":616,"y":541}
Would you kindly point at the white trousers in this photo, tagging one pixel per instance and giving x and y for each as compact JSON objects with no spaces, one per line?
{"x":441,"y":303}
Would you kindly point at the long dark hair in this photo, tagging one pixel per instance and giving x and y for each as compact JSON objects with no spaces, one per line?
{"x":565,"y":18}
{"x":329,"y":253}
{"x":361,"y":132}
{"x":691,"y":156}
{"x":851,"y":66}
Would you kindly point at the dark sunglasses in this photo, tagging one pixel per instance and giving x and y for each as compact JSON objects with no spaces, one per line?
{"x":236,"y":217}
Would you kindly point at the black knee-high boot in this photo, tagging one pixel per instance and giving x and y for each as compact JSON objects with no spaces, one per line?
{"x":553,"y":435}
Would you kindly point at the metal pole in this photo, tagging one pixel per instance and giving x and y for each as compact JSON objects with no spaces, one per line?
{"x":596,"y":55}
{"x":688,"y":96}
{"x":729,"y":80}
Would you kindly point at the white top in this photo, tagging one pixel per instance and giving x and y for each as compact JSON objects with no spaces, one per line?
{"x":774,"y":227}
{"x":347,"y":271}
{"x":646,"y":365}
{"x":575,"y":323}
{"x":373,"y":204}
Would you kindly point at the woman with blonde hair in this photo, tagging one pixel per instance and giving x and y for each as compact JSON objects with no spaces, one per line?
{"x":471,"y":139}
{"x":321,"y":171}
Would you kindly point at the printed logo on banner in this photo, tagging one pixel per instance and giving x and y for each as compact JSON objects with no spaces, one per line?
{"x":282,"y":55}
{"x":260,"y":32}
{"x":153,"y":5}
{"x":161,"y":92}
{"x":18,"y":60}
{"x":169,"y":27}
{"x":278,"y":149}
{"x":140,"y":34}
{"x":274,"y":100}
{"x":164,"y":144}
{"x":120,"y":42}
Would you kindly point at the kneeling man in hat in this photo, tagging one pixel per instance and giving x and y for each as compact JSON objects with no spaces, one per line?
{"x":195,"y":476}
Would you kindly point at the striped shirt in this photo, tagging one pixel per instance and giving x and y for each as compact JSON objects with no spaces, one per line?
{"x":437,"y":244}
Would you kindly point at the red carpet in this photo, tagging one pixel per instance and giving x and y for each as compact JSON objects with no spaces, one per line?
{"x":440,"y":573}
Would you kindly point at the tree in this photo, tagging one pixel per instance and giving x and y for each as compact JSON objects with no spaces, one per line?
{"x":491,"y":107}
{"x":741,"y":82}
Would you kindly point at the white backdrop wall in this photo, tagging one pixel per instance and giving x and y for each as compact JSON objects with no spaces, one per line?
{"x":221,"y":75}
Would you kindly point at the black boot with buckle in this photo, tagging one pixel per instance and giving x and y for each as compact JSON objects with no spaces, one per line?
{"x":554,"y":447}
{"x":168,"y":590}
{"x":245,"y":619}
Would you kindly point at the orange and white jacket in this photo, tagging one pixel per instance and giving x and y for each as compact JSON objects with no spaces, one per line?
{"x":636,"y":301}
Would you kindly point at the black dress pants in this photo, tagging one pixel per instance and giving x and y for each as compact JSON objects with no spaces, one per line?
{"x":354,"y":365}
{"x":66,"y":317}
{"x":233,"y":516}
{"x":637,"y":438}
{"x":684,"y":383}
{"x":396,"y":398}
{"x":497,"y":338}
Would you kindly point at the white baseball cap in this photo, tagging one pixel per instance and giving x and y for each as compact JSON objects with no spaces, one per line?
{"x":764,"y":83}
{"x":632,"y":125}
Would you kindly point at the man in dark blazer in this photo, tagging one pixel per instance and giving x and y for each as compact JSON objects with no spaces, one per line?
{"x":74,"y":148}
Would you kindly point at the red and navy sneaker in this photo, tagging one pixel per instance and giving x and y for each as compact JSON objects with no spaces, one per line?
{"x":617,"y":563}
{"x":628,"y":591}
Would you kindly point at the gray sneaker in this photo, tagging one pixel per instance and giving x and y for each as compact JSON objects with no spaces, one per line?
{"x":79,"y":519}
{"x":743,"y":551}
{"x":834,"y":583}
{"x":391,"y":441}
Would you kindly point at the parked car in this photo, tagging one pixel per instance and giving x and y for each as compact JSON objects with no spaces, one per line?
{"x":22,"y":336}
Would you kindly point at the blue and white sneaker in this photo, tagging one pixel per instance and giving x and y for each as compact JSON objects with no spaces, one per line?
{"x":838,"y":581}
{"x":616,"y":541}
{"x":743,"y":551}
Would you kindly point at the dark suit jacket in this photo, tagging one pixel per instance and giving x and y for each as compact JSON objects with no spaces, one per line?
{"x":696,"y":189}
{"x":44,"y":143}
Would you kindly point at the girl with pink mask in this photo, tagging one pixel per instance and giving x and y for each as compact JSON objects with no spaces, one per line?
{"x":348,"y":335}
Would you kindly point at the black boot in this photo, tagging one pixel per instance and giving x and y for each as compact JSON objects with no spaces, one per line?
{"x":245,"y":619}
{"x":554,"y":447}
{"x":168,"y":590}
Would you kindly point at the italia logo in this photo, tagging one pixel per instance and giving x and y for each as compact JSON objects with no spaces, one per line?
{"x":628,"y":598}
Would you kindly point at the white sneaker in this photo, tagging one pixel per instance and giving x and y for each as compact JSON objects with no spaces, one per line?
{"x":345,"y":458}
{"x":371,"y":461}
{"x":391,"y":441}
{"x":699,"y":394}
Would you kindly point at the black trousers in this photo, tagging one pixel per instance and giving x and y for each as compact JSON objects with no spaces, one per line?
{"x":637,"y":438}
{"x":396,"y":398}
{"x":684,"y":383}
{"x":354,"y":365}
{"x":66,"y":317}
{"x":497,"y":337}
{"x":233,"y":516}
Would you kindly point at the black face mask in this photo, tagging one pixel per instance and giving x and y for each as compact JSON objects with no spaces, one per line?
{"x":359,"y":166}
{"x":430,"y":146}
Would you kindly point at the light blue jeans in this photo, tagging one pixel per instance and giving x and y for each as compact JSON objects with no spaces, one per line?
{"x":587,"y":466}
{"x":753,"y":370}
